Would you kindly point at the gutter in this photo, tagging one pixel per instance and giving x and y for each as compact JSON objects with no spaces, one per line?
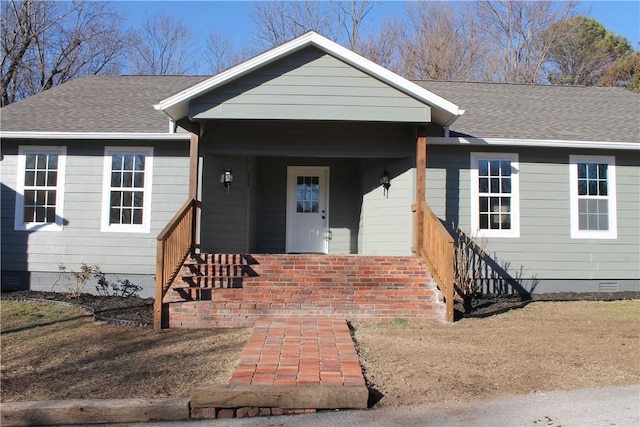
{"x":96,"y":135}
{"x":450,"y":122}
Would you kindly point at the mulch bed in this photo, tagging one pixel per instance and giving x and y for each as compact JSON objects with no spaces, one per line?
{"x":489,"y":305}
{"x":141,"y":309}
{"x":132,"y":309}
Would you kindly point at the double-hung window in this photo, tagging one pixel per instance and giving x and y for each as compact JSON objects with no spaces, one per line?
{"x":495,"y":202}
{"x":126,"y":199}
{"x":40,"y":188}
{"x":593,"y":197}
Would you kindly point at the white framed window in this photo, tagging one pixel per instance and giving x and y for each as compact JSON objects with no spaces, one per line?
{"x":593,"y":197}
{"x":126,"y":196}
{"x":495,"y":195}
{"x":40,"y":188}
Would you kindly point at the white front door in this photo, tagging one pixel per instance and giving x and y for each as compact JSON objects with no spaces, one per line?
{"x":307,"y":209}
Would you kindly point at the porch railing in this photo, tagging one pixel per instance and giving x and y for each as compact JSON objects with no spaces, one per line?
{"x":436,"y":247}
{"x":174,"y":244}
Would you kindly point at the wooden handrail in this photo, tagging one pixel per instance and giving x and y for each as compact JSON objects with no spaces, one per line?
{"x":174,"y":243}
{"x":438,"y":251}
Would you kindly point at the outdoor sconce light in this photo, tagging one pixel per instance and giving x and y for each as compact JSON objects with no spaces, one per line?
{"x":385,"y":181}
{"x":227,"y":178}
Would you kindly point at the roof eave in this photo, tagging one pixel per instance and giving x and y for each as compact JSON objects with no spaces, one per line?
{"x":95,"y":135}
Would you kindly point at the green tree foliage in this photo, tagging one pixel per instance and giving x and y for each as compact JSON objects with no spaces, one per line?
{"x":586,"y":53}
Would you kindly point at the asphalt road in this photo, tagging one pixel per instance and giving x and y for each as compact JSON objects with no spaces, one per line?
{"x":611,"y":406}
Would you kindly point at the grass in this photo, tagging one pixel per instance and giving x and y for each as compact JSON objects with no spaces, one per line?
{"x":58,"y":352}
{"x":16,"y":315}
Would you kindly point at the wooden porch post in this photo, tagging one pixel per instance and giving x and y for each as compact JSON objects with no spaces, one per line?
{"x":194,"y":150}
{"x":421,"y":173}
{"x":194,"y":161}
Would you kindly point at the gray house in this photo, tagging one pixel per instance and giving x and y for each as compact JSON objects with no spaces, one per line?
{"x":310,"y":148}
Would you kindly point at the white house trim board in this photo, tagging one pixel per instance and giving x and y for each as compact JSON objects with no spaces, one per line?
{"x":176,"y":106}
{"x":610,"y":198}
{"x":551,"y":143}
{"x":19,"y":223}
{"x":96,"y":135}
{"x":145,"y":226}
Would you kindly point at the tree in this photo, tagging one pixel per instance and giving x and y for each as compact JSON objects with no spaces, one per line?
{"x":624,"y":72}
{"x":350,"y":16}
{"x":515,"y":28}
{"x":220,"y":53}
{"x":280,"y":21}
{"x":48,"y":43}
{"x":382,"y":48}
{"x":443,"y":43}
{"x":163,"y":45}
{"x":585,"y":53}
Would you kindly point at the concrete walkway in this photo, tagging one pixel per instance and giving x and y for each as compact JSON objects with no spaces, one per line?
{"x":299,"y":351}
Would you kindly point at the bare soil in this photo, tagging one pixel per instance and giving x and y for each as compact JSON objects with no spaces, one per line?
{"x":521,"y":347}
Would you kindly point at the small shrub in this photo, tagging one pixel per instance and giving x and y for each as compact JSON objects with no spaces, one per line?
{"x":469,"y":256}
{"x":120,"y":288}
{"x":75,"y":289}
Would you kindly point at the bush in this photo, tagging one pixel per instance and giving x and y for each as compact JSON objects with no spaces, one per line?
{"x":81,"y":277}
{"x":120,"y":288}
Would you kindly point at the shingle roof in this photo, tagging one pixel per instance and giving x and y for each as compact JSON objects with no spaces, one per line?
{"x":125,"y":104}
{"x":542,"y":112}
{"x":97,"y":104}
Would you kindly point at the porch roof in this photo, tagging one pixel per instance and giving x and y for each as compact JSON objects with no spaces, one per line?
{"x":442,"y":112}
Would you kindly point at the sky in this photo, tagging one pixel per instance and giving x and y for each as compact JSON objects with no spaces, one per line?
{"x":231,"y":18}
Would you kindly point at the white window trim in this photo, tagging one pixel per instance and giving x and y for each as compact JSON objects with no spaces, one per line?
{"x":514,"y":232}
{"x":576,"y":233}
{"x":19,"y":223}
{"x":145,"y":227}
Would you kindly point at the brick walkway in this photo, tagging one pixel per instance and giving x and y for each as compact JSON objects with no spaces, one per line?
{"x":299,"y":351}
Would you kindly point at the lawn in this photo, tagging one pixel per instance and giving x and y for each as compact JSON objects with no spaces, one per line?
{"x":54,"y":352}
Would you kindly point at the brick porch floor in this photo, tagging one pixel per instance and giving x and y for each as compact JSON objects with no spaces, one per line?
{"x":299,"y":351}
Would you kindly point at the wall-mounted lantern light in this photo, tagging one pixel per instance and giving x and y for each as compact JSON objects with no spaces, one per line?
{"x":385,"y":181}
{"x":227,"y":178}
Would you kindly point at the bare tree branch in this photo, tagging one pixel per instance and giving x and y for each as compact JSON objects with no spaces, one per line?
{"x":48,"y":43}
{"x":515,"y":27}
{"x":442,"y":43}
{"x":164,"y":45}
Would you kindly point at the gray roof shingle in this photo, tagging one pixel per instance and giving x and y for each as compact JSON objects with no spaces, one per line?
{"x":542,"y":112}
{"x":125,"y":104}
{"x":97,"y":104}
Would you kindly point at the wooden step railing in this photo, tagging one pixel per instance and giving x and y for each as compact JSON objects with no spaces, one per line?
{"x":175,"y":242}
{"x":436,"y":246}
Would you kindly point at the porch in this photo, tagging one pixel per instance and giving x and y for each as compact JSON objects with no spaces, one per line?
{"x":307,"y":129}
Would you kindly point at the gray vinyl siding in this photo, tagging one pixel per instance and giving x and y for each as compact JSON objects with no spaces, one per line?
{"x":545,"y":249}
{"x":386,"y":221}
{"x":81,"y":239}
{"x":226,"y":214}
{"x":309,"y":85}
{"x":269,"y":232}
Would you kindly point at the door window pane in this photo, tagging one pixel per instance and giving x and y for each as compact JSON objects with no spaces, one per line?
{"x":307,"y":194}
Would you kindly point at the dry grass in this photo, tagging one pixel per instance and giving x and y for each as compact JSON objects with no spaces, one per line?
{"x":73,"y":357}
{"x":59,"y":354}
{"x":544,"y":346}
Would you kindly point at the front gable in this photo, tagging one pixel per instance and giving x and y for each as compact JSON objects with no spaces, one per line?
{"x":301,"y":59}
{"x":309,"y":84}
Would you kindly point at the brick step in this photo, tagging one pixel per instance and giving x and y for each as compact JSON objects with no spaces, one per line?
{"x":219,"y":290}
